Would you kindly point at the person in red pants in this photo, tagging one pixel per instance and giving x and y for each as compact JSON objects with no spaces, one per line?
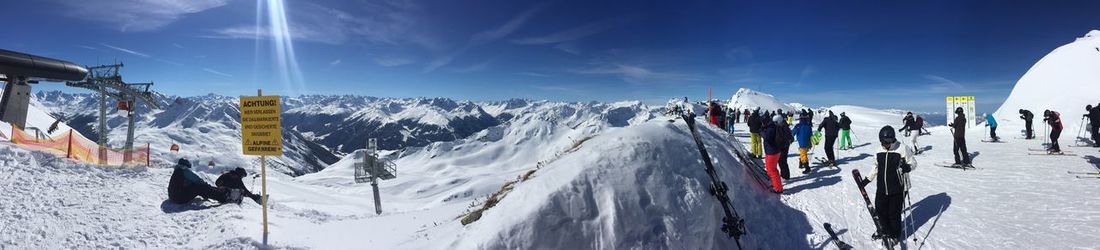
{"x":772,"y":145}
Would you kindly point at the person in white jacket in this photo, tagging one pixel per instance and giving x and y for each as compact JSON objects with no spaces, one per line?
{"x":893,"y":163}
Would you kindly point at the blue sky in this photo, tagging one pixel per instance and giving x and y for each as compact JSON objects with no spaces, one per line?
{"x":900,"y":55}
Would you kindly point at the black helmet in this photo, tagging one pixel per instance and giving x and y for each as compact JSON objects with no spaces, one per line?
{"x":886,"y":135}
{"x":240,"y":172}
{"x":1088,"y":107}
{"x":959,"y":110}
{"x":183,"y":162}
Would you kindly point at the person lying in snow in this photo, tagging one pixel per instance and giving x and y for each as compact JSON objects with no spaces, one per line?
{"x":185,"y":185}
{"x":232,"y":180}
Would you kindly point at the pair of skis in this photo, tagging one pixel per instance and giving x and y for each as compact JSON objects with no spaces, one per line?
{"x":1085,"y":175}
{"x":879,"y":229}
{"x":732,"y":224}
{"x":956,"y":166}
{"x":1048,"y":152}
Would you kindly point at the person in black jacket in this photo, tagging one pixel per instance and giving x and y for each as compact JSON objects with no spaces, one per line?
{"x":1094,"y":123}
{"x":771,"y":149}
{"x":185,"y":185}
{"x":892,"y":166}
{"x":1027,"y":116}
{"x":754,"y":133}
{"x":909,"y":124}
{"x":959,"y":149}
{"x":784,"y":138}
{"x":232,"y":180}
{"x":832,"y":129}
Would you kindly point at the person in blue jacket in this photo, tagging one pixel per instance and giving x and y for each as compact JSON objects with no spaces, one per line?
{"x":802,"y":133}
{"x":185,"y":185}
{"x":992,"y":124}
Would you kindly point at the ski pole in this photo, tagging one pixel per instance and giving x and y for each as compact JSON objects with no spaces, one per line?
{"x":1080,"y":126}
{"x":910,"y":217}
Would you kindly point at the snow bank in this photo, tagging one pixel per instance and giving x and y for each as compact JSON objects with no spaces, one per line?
{"x":1065,"y":80}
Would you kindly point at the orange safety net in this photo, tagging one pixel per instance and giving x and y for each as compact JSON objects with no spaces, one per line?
{"x":75,"y":146}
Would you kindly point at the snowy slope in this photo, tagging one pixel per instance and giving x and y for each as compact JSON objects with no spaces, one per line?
{"x":749,"y":99}
{"x":1062,"y":81}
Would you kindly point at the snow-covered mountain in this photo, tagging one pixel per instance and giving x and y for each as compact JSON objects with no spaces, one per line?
{"x":1064,"y":81}
{"x":749,"y":99}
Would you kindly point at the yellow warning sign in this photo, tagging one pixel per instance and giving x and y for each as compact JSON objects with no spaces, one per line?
{"x":261,"y":126}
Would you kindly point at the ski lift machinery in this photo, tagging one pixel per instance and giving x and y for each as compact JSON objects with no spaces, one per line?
{"x":370,"y":168}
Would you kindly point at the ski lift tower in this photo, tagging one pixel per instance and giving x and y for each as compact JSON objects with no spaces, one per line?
{"x":373,"y":168}
{"x":106,"y":81}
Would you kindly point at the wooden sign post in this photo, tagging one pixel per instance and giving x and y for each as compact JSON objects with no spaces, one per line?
{"x":261,"y":134}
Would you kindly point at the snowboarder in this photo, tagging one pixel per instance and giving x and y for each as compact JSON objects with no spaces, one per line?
{"x":992,"y":124}
{"x":1055,"y":121}
{"x":832,"y":129}
{"x":892,"y":166}
{"x":754,"y":133}
{"x":1094,"y":123}
{"x":232,"y":180}
{"x":845,"y":132}
{"x":802,"y":133}
{"x":1027,"y":116}
{"x":185,"y":185}
{"x":771,"y":150}
{"x":959,"y":148}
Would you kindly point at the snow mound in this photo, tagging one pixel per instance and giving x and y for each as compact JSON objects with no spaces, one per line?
{"x":1065,"y":80}
{"x":750,"y":99}
{"x":641,"y":187}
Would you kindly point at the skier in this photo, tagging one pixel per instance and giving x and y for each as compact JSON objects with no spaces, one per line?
{"x":1094,"y":123}
{"x":731,"y":119}
{"x":1055,"y":121}
{"x":713,"y":114}
{"x":754,"y":133}
{"x":746,"y":114}
{"x":802,"y":132}
{"x":771,"y":149}
{"x":920,"y":126}
{"x":832,"y":128}
{"x":784,"y":138}
{"x":185,"y":185}
{"x":1027,"y":116}
{"x":845,"y":132}
{"x":959,"y":148}
{"x":911,"y":124}
{"x":232,"y":180}
{"x":892,"y":166}
{"x":992,"y":124}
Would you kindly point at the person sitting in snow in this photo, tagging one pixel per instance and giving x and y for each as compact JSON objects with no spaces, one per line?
{"x":892,"y":166}
{"x":185,"y":185}
{"x":232,"y":180}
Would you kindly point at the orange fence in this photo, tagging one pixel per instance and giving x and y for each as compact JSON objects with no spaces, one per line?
{"x":75,"y":146}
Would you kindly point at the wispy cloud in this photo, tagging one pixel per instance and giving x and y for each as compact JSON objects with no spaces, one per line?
{"x":177,"y":45}
{"x":472,"y":68}
{"x":88,"y":47}
{"x":942,"y":83}
{"x":169,"y":62}
{"x":573,"y":33}
{"x":216,"y":72}
{"x":390,"y":61}
{"x":484,"y":37}
{"x":334,"y":63}
{"x":136,"y":15}
{"x":636,"y":73}
{"x":385,"y":22}
{"x":128,"y":51}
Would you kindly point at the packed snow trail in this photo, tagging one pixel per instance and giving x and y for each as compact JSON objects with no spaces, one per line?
{"x":1013,"y":201}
